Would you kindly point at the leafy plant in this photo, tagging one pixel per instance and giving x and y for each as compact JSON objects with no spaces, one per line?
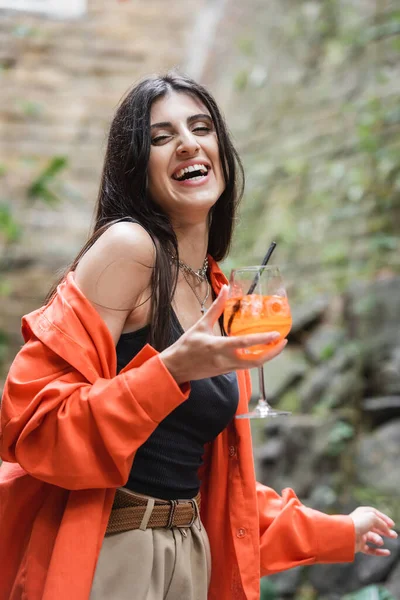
{"x":40,"y":187}
{"x":371,"y":592}
{"x":268,"y":590}
{"x":338,"y":437}
{"x":3,"y":345}
{"x":9,"y":228}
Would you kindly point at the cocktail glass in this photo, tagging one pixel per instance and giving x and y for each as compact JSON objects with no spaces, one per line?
{"x":258,"y":304}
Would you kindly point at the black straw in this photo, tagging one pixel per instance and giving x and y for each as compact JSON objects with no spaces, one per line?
{"x":263,"y":264}
{"x":252,"y":287}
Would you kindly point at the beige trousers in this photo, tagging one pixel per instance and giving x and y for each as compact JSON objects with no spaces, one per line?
{"x":154,"y":564}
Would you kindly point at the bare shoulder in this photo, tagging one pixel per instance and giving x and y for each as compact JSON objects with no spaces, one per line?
{"x":117,"y":269}
{"x":125,"y":238}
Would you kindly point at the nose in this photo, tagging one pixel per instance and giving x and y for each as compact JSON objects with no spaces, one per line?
{"x":188,"y":144}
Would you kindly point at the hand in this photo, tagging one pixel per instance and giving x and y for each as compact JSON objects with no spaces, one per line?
{"x":371,"y":525}
{"x":199,"y":353}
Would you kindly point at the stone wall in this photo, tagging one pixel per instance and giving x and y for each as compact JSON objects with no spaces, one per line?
{"x":311,"y":91}
{"x":340,"y":376}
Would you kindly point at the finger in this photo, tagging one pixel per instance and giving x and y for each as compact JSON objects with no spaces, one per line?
{"x":380,"y":526}
{"x":249,"y":361}
{"x":272,"y":352}
{"x":252,"y":339}
{"x":392,"y":533}
{"x":374,"y":538}
{"x":384,"y":517}
{"x":376,"y":551}
{"x":217,"y":307}
{"x":379,"y":514}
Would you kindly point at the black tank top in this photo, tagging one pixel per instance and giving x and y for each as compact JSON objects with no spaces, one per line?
{"x":166,"y":465}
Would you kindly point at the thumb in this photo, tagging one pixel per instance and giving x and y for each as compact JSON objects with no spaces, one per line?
{"x":217,"y":307}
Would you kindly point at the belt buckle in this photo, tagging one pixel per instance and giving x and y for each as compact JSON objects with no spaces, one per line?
{"x":174,"y":504}
{"x":195,"y":512}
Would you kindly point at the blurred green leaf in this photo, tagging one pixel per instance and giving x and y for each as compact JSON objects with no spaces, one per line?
{"x":384,"y":242}
{"x":8,"y":226}
{"x":338,"y":437}
{"x":268,"y":590}
{"x":23,"y":31}
{"x":5,"y":288}
{"x":30,"y":108}
{"x":241,"y":80}
{"x":3,"y":345}
{"x":39,"y":189}
{"x":335,"y":253}
{"x":246,"y":46}
{"x":372,"y":592}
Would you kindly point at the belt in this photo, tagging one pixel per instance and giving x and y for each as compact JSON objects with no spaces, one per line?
{"x":131,"y":511}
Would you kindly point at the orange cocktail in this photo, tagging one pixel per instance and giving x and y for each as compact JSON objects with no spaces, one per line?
{"x":255,"y":313}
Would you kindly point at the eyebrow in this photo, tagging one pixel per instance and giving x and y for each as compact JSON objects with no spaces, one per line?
{"x":191,"y":119}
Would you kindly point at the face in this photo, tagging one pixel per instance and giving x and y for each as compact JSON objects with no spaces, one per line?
{"x":184,"y":171}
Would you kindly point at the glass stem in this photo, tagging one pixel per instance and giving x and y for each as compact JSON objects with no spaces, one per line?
{"x":263,"y":400}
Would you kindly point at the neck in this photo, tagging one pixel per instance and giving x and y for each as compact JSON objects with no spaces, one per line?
{"x":192,"y":244}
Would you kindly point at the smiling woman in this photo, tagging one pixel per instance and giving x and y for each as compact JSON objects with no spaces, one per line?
{"x":184,"y":170}
{"x":125,"y":473}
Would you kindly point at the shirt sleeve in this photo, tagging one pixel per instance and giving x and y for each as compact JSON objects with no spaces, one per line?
{"x":77,"y":435}
{"x":292,"y":534}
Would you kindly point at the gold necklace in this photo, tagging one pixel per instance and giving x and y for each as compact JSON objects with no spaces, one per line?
{"x":201,"y":302}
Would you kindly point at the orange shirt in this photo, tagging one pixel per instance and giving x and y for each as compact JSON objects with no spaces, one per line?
{"x":70,"y":428}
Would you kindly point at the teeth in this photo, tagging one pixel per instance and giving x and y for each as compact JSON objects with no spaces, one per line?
{"x":199,"y":167}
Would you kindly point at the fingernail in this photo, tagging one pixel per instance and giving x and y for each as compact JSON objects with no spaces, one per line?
{"x":393,"y":533}
{"x":275,"y":335}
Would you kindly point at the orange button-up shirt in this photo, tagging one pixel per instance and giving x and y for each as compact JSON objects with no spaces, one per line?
{"x":70,"y":428}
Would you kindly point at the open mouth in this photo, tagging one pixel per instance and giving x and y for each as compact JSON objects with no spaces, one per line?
{"x":194,"y":172}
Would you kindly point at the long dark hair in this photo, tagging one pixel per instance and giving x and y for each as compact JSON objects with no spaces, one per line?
{"x":123,"y":190}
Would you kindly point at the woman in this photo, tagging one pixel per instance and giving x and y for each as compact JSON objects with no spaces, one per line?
{"x":74,"y":431}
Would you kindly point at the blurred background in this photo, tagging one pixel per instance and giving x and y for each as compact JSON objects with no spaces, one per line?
{"x":310,"y":90}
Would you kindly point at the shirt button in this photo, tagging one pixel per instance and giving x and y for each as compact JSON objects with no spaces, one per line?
{"x":241,"y":532}
{"x":232,"y":451}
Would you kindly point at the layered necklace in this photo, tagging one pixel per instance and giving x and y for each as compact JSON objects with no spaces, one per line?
{"x":200,"y":275}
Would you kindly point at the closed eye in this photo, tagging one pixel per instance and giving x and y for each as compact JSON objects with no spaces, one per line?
{"x":202,"y":130}
{"x":160,"y":138}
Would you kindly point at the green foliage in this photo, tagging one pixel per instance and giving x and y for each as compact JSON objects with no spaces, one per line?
{"x":372,"y":592}
{"x":40,"y":188}
{"x":268,"y":590}
{"x":3,"y":345}
{"x":338,"y":438}
{"x":246,"y":46}
{"x":30,"y":108}
{"x":241,"y":80}
{"x":306,"y":592}
{"x":382,"y":242}
{"x":9,"y":228}
{"x":290,"y":401}
{"x":327,"y":352}
{"x":24,"y":31}
{"x":335,"y":253}
{"x":5,"y":288}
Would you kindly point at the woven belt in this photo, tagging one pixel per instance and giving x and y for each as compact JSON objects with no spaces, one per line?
{"x":131,"y":511}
